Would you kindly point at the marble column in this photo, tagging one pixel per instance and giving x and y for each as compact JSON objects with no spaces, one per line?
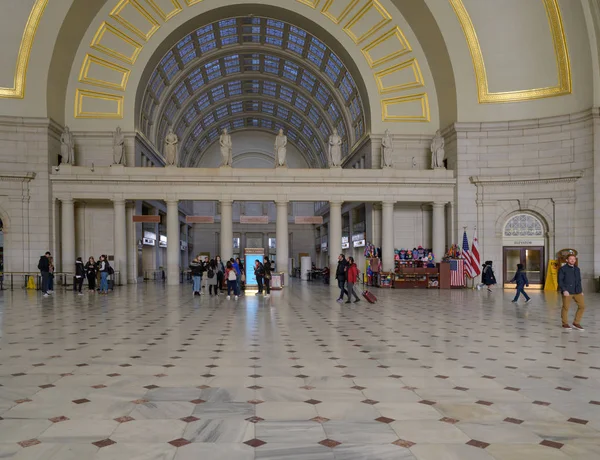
{"x":132,"y":251}
{"x":387,"y":236}
{"x":282,"y":237}
{"x":335,"y":236}
{"x":173,"y":250}
{"x":120,"y":261}
{"x":80,"y":231}
{"x":226,"y":230}
{"x":438,"y":230}
{"x":68,"y":236}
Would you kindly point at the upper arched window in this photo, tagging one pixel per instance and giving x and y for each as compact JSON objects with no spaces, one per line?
{"x":523,"y":225}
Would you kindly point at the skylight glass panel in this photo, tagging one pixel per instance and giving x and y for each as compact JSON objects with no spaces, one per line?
{"x":355,"y":109}
{"x":190,"y":115}
{"x":253,"y":121}
{"x":198,"y":130}
{"x":307,"y":131}
{"x":206,"y":38}
{"x":181,"y":93}
{"x":251,"y":62}
{"x":231,"y":40}
{"x":232,"y":64}
{"x":202,"y":144}
{"x":226,"y":23}
{"x":333,"y":112}
{"x":314,"y":115}
{"x":308,"y":81}
{"x":296,"y":120}
{"x":226,"y":125}
{"x":274,"y":32}
{"x":213,"y":70}
{"x":252,"y":106}
{"x":297,"y":31}
{"x":189,"y":55}
{"x":171,"y":109}
{"x":278,"y":126}
{"x":236,"y":107}
{"x":282,"y":112}
{"x":275,"y":23}
{"x":358,"y":130}
{"x":218,"y":93}
{"x":301,"y":102}
{"x":239,"y":123}
{"x":208,"y":119}
{"x":271,"y":64}
{"x":269,"y":88}
{"x":273,"y":41}
{"x":158,"y":85}
{"x":180,"y":129}
{"x":264,"y":123}
{"x":213,"y":134}
{"x":206,"y":47}
{"x":222,"y":112}
{"x":286,"y":94}
{"x":292,"y":134}
{"x":316,"y":144}
{"x":188,"y":143}
{"x":295,"y":48}
{"x":322,"y":95}
{"x":315,"y":59}
{"x":341,"y":129}
{"x":196,"y":79}
{"x":203,"y":101}
{"x":268,"y":107}
{"x":228,"y":31}
{"x":290,"y":70}
{"x":346,"y":87}
{"x":167,"y":58}
{"x":235,"y":88}
{"x":204,"y":30}
{"x":324,"y":130}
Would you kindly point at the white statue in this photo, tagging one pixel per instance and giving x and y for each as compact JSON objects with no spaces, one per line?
{"x":437,"y":151}
{"x":387,"y":150}
{"x":335,"y":150}
{"x":226,"y":148}
{"x":171,"y":148}
{"x":67,"y":147}
{"x":280,"y":149}
{"x":118,"y":147}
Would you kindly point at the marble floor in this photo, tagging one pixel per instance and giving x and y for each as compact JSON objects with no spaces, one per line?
{"x":151,"y":373}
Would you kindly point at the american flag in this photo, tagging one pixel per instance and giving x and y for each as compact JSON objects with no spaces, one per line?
{"x":475,"y":257}
{"x":466,"y":255}
{"x":457,"y":272}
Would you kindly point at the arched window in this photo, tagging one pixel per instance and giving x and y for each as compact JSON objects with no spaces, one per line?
{"x":523,"y":225}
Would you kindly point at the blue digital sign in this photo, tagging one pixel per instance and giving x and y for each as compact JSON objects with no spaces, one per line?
{"x":250,"y":260}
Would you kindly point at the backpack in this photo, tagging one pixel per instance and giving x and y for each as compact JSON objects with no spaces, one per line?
{"x":109,"y":269}
{"x":211,"y":273}
{"x":232,"y":275}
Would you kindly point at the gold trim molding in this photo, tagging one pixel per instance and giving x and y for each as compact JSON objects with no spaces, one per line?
{"x":422,"y":98}
{"x":83,"y":94}
{"x":90,"y":60}
{"x":18,"y":89}
{"x":561,"y":52}
{"x":411,"y":64}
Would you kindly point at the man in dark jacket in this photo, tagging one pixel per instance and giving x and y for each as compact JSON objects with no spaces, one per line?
{"x":44,"y":268}
{"x":340,"y":276}
{"x":521,"y":280}
{"x":569,"y":283}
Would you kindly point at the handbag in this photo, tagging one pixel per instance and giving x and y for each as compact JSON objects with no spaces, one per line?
{"x":243,"y":277}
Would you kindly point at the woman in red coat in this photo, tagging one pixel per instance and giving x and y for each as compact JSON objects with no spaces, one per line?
{"x":352,"y":279}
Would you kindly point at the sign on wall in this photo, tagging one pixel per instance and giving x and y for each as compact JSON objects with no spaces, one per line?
{"x":312,"y":220}
{"x":147,"y":219}
{"x":254,"y":219}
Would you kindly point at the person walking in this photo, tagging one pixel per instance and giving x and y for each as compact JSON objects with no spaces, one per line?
{"x":521,"y":280}
{"x":268,"y":272}
{"x":259,"y":273}
{"x":197,"y":268}
{"x":569,"y":283}
{"x":488,"y":278}
{"x":340,"y":276}
{"x":90,"y":271}
{"x":239,"y":269}
{"x":211,"y":277}
{"x":231,"y":277}
{"x":104,"y":269}
{"x":352,"y":275}
{"x":220,"y":274}
{"x":79,"y":275}
{"x":44,"y":268}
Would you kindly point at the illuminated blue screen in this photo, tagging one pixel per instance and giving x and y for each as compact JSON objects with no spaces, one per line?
{"x":250,"y":277}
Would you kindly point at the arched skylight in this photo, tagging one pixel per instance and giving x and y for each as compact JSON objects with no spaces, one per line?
{"x":258,"y":57}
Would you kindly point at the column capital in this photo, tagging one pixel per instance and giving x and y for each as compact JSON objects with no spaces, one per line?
{"x":226,"y":202}
{"x":282,"y":202}
{"x":172,"y":202}
{"x":118,"y":201}
{"x":337,"y":203}
{"x":388,"y":203}
{"x":439,"y":204}
{"x":66,"y":200}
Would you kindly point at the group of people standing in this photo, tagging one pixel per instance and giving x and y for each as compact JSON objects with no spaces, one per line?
{"x":96,"y":273}
{"x":346,"y":275}
{"x":262,"y":271}
{"x":215,"y":272}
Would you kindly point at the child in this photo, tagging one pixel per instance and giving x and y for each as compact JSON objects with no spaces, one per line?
{"x":231,"y":277}
{"x":521,"y":279}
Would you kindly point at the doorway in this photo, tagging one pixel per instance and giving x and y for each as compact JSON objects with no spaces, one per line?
{"x":532,"y":258}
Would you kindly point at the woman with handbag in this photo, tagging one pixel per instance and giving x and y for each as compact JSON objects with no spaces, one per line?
{"x":259,"y":273}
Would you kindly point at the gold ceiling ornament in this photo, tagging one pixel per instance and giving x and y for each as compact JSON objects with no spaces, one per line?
{"x":561,"y":52}
{"x":18,"y":90}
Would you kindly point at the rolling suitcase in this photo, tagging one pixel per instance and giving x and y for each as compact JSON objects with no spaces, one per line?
{"x":369,"y":296}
